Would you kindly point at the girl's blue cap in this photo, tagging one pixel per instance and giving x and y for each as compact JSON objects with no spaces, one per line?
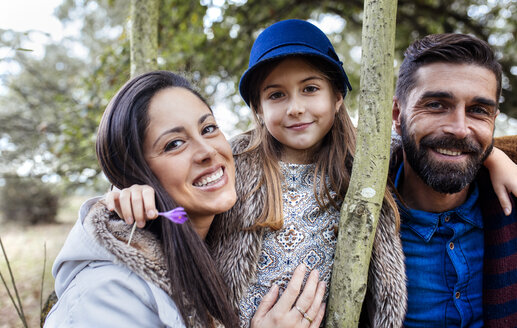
{"x":287,"y":38}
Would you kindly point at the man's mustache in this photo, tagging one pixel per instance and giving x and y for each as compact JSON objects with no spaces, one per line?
{"x":465,"y":145}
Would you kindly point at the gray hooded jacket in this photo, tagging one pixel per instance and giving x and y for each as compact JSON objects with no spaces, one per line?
{"x":102,"y":282}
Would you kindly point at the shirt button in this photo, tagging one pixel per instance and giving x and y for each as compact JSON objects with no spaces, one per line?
{"x":451,"y":245}
{"x":457,"y":295}
{"x":447,"y":219}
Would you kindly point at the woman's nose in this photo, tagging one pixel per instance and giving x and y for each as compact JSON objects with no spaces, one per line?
{"x":204,"y":151}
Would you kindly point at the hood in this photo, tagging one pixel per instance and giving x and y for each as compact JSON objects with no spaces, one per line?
{"x":79,"y":250}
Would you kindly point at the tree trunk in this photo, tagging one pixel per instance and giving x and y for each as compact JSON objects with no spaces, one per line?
{"x":362,"y":204}
{"x":144,"y":36}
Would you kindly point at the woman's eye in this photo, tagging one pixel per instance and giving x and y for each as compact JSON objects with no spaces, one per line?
{"x":174,"y":144}
{"x":210,"y":128}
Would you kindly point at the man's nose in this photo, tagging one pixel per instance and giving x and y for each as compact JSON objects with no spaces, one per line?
{"x":456,"y":123}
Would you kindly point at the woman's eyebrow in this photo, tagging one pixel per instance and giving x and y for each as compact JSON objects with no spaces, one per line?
{"x":204,"y":117}
{"x":173,"y":130}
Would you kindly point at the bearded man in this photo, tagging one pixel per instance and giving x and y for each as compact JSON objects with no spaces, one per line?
{"x":460,"y":247}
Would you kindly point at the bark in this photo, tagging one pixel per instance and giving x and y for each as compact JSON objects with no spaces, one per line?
{"x":362,"y":204}
{"x":144,"y":36}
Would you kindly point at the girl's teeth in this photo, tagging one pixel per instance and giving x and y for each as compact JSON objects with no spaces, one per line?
{"x":211,"y":178}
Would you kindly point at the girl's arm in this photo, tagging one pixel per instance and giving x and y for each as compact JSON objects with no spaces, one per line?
{"x":503,"y":174}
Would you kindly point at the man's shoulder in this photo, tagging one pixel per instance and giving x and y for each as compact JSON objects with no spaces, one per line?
{"x":508,"y":145}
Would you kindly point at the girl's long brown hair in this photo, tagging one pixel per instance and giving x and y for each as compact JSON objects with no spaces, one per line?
{"x":333,"y":161}
{"x":197,"y":287}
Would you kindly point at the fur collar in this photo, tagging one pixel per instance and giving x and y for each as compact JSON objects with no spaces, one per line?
{"x":144,"y":256}
{"x":237,"y":249}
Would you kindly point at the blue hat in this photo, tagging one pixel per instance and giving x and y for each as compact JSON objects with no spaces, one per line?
{"x":287,"y":38}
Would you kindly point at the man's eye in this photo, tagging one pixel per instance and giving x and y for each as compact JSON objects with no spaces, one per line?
{"x":174,"y":144}
{"x":435,"y":105}
{"x":210,"y":128}
{"x":479,"y":110}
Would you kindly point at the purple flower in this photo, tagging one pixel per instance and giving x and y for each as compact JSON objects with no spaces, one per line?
{"x":177,"y":215}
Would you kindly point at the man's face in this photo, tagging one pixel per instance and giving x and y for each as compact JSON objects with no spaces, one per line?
{"x":447,"y":123}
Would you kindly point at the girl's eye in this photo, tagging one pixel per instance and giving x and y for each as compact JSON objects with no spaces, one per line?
{"x":174,"y":144}
{"x":310,"y":88}
{"x":275,"y":95}
{"x":210,"y":128}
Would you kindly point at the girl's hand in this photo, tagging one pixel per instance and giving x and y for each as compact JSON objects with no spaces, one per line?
{"x":135,"y":203}
{"x":288,"y":310}
{"x":503,"y":173}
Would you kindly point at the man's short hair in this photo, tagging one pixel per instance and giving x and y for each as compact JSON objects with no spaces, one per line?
{"x":445,"y":48}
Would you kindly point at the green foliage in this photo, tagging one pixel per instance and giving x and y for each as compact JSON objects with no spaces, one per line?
{"x":28,"y":200}
{"x":52,"y":107}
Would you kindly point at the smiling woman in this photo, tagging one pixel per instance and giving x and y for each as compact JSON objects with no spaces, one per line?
{"x":157,"y":131}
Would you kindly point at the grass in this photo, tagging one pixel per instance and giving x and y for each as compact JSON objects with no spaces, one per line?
{"x":24,"y":246}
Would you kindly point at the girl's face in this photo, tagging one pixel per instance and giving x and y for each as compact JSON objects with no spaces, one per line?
{"x":189,"y":154}
{"x":298,"y":106}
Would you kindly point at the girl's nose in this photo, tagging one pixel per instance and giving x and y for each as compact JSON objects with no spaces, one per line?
{"x":295,"y":107}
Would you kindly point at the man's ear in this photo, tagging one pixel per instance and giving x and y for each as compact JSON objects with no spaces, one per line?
{"x":396,"y":115}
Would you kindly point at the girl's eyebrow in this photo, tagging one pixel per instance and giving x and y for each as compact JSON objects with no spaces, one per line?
{"x":302,"y":81}
{"x":179,"y":129}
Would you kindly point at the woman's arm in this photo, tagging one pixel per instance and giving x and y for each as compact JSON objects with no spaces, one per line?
{"x":290,"y":310}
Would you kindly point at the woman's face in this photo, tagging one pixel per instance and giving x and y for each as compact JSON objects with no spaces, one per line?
{"x":189,"y":154}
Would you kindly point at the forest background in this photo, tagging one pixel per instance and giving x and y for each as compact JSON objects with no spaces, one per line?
{"x":52,"y":97}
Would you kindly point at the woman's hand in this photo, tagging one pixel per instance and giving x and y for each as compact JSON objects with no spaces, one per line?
{"x":503,"y":174}
{"x":135,"y":203}
{"x":291,"y":310}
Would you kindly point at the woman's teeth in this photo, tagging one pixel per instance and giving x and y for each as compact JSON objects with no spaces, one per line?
{"x":448,"y":152}
{"x":210,"y":178}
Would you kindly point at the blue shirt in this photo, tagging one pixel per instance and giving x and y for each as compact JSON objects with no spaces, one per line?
{"x":444,"y":264}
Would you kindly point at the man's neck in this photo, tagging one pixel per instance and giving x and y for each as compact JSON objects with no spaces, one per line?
{"x":419,"y":196}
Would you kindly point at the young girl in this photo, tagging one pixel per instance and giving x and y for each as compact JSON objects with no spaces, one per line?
{"x":292,"y":173}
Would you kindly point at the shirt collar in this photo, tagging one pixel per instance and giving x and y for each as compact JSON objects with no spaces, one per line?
{"x":425,"y":223}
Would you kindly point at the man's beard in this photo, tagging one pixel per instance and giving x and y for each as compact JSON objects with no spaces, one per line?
{"x":444,"y":177}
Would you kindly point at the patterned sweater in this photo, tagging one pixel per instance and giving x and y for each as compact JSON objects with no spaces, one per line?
{"x":308,"y":236}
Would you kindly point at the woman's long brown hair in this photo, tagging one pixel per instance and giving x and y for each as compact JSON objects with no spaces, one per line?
{"x":197,"y":287}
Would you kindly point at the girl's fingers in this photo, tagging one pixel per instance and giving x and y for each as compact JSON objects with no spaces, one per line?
{"x":286,"y":301}
{"x":149,"y":204}
{"x":504,"y":199}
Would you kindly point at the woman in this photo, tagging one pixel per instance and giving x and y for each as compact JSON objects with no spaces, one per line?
{"x":156,"y":131}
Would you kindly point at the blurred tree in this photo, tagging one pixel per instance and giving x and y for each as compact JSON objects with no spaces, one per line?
{"x":52,"y":105}
{"x":143,"y":36}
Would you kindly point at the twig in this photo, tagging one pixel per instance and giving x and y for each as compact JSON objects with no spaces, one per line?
{"x":10,"y":295}
{"x":19,"y":309}
{"x":43,"y":277}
